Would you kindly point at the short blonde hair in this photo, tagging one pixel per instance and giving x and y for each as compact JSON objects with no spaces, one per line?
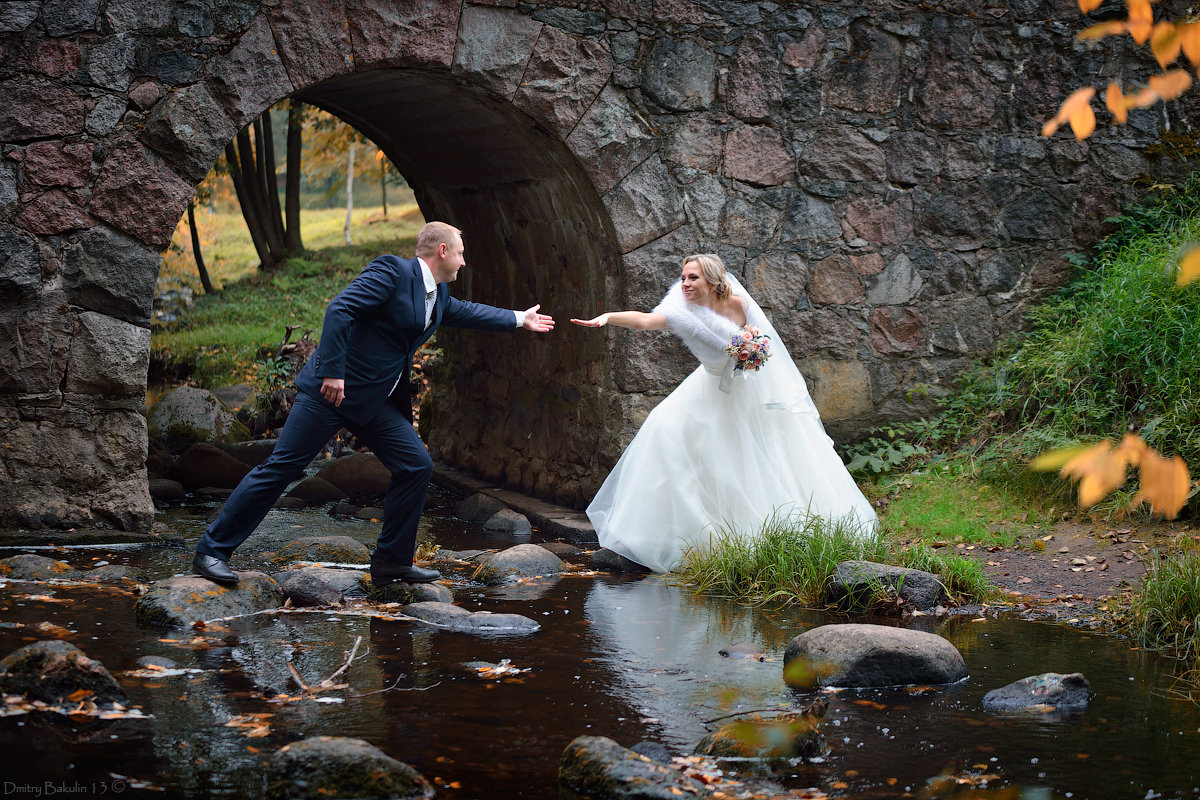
{"x":434,"y":234}
{"x":713,"y":269}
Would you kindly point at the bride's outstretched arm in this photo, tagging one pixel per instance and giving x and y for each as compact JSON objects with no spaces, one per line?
{"x":638,"y":320}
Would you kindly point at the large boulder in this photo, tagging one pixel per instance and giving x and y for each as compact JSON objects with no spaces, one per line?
{"x":362,"y":476}
{"x":306,"y":589}
{"x":34,"y":568}
{"x":205,"y":465}
{"x":452,"y":618}
{"x":184,"y":600}
{"x":332,"y":549}
{"x":605,"y":560}
{"x":165,"y":490}
{"x":349,"y":582}
{"x":188,"y":415}
{"x":511,"y":522}
{"x":54,"y":671}
{"x":598,"y":767}
{"x":335,"y":766}
{"x":854,"y":583}
{"x":1048,"y":692}
{"x":478,"y":508}
{"x":858,"y":655}
{"x":251,"y":453}
{"x":317,"y":491}
{"x":520,"y":561}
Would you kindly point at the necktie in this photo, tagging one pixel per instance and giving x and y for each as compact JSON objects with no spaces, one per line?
{"x":430,"y":299}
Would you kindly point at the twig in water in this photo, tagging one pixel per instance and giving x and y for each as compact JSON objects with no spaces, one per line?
{"x":394,"y":688}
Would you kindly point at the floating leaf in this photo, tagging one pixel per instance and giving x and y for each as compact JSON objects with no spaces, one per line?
{"x":1077,"y":111}
{"x":1189,"y":267}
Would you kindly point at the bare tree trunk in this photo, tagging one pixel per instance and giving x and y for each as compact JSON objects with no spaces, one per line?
{"x":196,"y":254}
{"x":349,"y":191}
{"x":246,"y":201}
{"x":268,"y":187}
{"x":291,"y":202}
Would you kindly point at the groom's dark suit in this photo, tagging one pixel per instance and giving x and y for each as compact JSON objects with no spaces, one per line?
{"x":372,"y":331}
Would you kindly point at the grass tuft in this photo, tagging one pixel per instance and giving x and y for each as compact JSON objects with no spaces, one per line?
{"x":791,"y":560}
{"x":1164,"y":611}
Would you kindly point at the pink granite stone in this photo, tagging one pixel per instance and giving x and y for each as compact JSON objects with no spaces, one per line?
{"x":756,"y":155}
{"x":137,"y":192}
{"x":54,"y":212}
{"x":896,"y":330}
{"x":833,"y":281}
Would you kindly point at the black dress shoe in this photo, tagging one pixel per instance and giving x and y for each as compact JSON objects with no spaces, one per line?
{"x":214,"y":569}
{"x":384,"y":574}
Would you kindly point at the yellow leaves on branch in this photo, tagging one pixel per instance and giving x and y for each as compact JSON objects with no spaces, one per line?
{"x":1101,"y":469}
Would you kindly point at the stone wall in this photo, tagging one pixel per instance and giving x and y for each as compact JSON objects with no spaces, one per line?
{"x":871,"y":171}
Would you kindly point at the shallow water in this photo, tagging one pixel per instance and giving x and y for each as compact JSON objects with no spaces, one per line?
{"x":631,"y":659}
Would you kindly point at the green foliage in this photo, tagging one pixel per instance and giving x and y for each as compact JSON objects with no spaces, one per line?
{"x":886,"y":450}
{"x":1164,"y":611}
{"x":792,"y":560}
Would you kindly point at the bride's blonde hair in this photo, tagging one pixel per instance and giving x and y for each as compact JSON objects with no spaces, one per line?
{"x":713,"y":270}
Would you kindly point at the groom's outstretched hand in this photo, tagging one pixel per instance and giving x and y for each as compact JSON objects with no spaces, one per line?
{"x":538,"y":323}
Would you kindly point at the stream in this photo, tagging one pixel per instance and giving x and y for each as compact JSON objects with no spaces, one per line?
{"x":630,"y":658}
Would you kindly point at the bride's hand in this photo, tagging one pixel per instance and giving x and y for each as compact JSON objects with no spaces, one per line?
{"x":594,"y":322}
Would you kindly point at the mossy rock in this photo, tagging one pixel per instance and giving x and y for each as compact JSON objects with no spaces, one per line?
{"x":35,"y":568}
{"x":768,"y":738}
{"x":333,"y":766}
{"x":331,"y":549}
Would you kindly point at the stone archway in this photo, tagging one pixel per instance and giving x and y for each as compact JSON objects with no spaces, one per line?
{"x":870,"y":172}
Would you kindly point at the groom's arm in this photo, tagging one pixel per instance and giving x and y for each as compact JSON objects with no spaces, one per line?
{"x":465,"y":314}
{"x":373,"y":287}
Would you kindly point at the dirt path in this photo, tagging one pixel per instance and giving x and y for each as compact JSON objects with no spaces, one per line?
{"x":1082,"y":567}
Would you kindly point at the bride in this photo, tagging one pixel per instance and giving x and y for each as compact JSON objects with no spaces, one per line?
{"x":729,"y":447}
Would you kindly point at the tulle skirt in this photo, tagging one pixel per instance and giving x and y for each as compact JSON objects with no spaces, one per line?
{"x":706,"y":459}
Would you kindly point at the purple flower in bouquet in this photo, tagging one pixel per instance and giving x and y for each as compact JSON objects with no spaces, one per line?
{"x":749,"y":349}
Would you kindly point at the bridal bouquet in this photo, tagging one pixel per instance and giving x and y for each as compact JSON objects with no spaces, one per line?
{"x":749,"y":349}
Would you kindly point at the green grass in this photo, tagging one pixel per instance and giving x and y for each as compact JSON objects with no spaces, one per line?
{"x":218,"y":339}
{"x":1164,"y":612}
{"x":792,"y":561}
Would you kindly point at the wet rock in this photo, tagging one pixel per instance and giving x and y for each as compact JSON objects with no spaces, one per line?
{"x":1050,"y":691}
{"x":336,"y":549}
{"x":478,"y":508}
{"x":235,"y":395}
{"x":344,"y":510}
{"x":34,"y":568}
{"x":857,"y":655}
{"x":188,"y":415}
{"x":854,"y":583}
{"x":158,"y":458}
{"x":348,"y":582}
{"x":509,"y":521}
{"x":361,"y":476}
{"x":165,"y":490}
{"x":561,"y":549}
{"x":251,"y":453}
{"x":305,"y":589}
{"x":316,"y":491}
{"x":183,"y":600}
{"x":115,"y":573}
{"x":156,"y":661}
{"x":204,"y":465}
{"x":451,"y":617}
{"x":521,"y":561}
{"x":606,"y":560}
{"x":52,"y":671}
{"x":291,"y":503}
{"x":598,"y":767}
{"x":334,"y":766}
{"x":743,"y":650}
{"x":406,"y":593}
{"x":655,"y":751}
{"x":369,"y":513}
{"x":771,"y":738}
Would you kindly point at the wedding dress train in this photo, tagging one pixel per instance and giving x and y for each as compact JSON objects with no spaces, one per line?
{"x":724,"y":450}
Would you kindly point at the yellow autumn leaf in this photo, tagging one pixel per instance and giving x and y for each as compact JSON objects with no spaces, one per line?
{"x":1075,"y":109}
{"x":1088,"y":6}
{"x":1141,"y":20}
{"x":1164,"y":484}
{"x":1116,"y":102}
{"x":1165,"y":42}
{"x":1101,"y":29}
{"x":1078,"y":465}
{"x":1100,"y":469}
{"x":1189,"y":40}
{"x":1170,"y":84}
{"x":1189,"y":267}
{"x":1054,"y":460}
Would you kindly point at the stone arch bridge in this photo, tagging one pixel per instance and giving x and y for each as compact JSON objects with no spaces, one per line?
{"x":871,"y":170}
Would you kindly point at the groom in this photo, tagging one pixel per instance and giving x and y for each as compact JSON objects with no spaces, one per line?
{"x":358,"y":379}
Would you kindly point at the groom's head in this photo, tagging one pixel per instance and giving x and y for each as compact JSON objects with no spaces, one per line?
{"x":441,"y":247}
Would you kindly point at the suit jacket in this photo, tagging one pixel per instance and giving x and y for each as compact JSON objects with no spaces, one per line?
{"x":373,"y":328}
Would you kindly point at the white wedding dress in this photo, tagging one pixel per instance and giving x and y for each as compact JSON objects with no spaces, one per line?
{"x":724,"y":450}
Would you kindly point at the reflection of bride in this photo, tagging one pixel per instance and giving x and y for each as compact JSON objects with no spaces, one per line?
{"x":725,"y":449}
